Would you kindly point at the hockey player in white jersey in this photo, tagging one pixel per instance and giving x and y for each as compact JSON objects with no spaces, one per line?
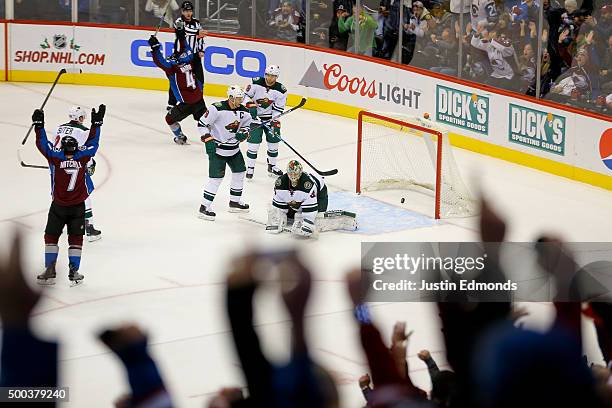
{"x":76,"y":129}
{"x":268,"y":97}
{"x":483,"y":12}
{"x":300,"y":202}
{"x":224,"y":125}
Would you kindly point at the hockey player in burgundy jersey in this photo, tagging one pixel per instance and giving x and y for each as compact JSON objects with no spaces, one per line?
{"x":70,"y":187}
{"x":186,"y":87}
{"x":80,"y":132}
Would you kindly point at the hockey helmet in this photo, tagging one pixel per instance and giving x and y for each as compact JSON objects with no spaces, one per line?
{"x":294,"y":172}
{"x":180,"y":58}
{"x":75,"y":113}
{"x":235,"y":91}
{"x":273,"y":70}
{"x":187,"y":5}
{"x":69,"y":145}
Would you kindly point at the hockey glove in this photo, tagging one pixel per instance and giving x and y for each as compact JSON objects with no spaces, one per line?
{"x":276,"y":127}
{"x":209,"y":144}
{"x":252,"y":107}
{"x":154,"y":42}
{"x":242,"y":134}
{"x":38,"y":119}
{"x":91,"y":169}
{"x":179,"y":30}
{"x":97,"y":118}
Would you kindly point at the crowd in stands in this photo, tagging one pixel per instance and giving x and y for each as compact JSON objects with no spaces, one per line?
{"x":494,"y":362}
{"x":498,"y":39}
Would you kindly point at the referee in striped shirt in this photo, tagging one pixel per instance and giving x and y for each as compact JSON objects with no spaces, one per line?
{"x":195,"y":38}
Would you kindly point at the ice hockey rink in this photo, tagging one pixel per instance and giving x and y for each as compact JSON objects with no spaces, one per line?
{"x":162,"y":267}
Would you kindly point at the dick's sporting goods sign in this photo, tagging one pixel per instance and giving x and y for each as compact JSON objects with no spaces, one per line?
{"x":536,"y":129}
{"x":462,"y":109}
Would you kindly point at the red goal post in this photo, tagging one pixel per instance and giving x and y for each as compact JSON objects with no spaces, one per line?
{"x":409,"y":153}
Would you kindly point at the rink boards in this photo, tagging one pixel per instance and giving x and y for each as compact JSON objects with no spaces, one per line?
{"x":545,"y":136}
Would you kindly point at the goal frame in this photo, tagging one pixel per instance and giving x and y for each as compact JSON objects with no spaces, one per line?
{"x":364,"y":113}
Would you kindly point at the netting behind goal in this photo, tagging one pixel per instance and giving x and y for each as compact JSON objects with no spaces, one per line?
{"x":409,"y":153}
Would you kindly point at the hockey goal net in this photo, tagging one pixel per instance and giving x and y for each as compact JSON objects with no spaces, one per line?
{"x":396,"y":152}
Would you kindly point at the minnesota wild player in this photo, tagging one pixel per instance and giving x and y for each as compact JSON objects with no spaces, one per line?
{"x":268,"y":98}
{"x":300,"y":201}
{"x":224,"y":125}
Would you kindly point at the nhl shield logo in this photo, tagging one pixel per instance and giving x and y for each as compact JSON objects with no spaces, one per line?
{"x":59,"y":41}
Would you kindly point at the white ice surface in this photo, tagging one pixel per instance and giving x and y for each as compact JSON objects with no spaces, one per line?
{"x":162,"y":267}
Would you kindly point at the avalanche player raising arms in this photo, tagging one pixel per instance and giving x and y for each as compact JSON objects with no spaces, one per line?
{"x":76,"y":129}
{"x":269,"y":98}
{"x":70,"y":186}
{"x":187,"y":89}
{"x":222,"y":128}
{"x":300,"y":199}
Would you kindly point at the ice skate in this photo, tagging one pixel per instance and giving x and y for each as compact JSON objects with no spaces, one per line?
{"x":47,"y":278}
{"x":274,"y":171}
{"x":236,"y":207}
{"x":92,"y":233}
{"x":180,"y":139}
{"x":74,"y":276}
{"x":206,"y":214}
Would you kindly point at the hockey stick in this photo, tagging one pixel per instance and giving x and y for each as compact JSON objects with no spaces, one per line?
{"x":25,"y":139}
{"x":161,"y":20}
{"x":267,"y":122}
{"x":59,"y":74}
{"x":266,"y":125}
{"x":321,"y":173}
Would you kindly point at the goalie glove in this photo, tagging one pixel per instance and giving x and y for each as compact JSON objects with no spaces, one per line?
{"x":306,"y":231}
{"x":302,"y":227}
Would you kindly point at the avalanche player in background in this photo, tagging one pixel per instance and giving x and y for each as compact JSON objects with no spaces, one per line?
{"x":268,"y":96}
{"x":186,"y":88}
{"x":76,"y":129}
{"x":194,"y":35}
{"x":300,"y":200}
{"x":222,"y":128}
{"x":70,"y":187}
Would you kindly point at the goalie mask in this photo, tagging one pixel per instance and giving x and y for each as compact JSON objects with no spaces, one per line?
{"x":77,"y":114}
{"x":294,"y":172}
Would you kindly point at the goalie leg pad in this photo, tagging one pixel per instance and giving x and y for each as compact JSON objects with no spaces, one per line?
{"x":334,"y":220}
{"x":303,"y":228}
{"x":277,"y":220}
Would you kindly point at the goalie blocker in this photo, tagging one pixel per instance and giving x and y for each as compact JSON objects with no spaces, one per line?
{"x":300,"y":205}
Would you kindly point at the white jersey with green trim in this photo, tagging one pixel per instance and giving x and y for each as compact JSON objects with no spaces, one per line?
{"x":74,"y":129}
{"x":304,"y":197}
{"x":222,"y":122}
{"x":270,"y":100}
